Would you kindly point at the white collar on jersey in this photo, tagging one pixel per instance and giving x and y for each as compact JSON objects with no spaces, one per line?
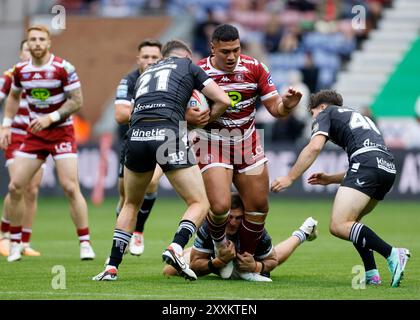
{"x":217,"y":71}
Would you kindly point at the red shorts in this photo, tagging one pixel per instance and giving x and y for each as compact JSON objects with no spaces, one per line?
{"x":60,"y":142}
{"x":17,"y":140}
{"x":241,"y":156}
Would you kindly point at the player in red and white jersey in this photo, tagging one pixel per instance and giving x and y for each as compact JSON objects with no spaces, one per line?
{"x":235,"y":153}
{"x":53,"y":93}
{"x":30,"y":195}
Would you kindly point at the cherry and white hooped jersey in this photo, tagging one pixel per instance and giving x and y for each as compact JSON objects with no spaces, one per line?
{"x":46,"y":86}
{"x":249,"y":79}
{"x":21,"y":120}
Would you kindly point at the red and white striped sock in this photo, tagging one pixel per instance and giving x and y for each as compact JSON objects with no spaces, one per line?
{"x":16,"y":234}
{"x":83,"y":234}
{"x":26,"y":235}
{"x":5,"y":225}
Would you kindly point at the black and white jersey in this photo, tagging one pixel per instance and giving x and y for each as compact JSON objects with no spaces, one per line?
{"x":125,"y":89}
{"x":125,"y":95}
{"x":164,"y":89}
{"x":347,"y":128}
{"x":204,"y":243}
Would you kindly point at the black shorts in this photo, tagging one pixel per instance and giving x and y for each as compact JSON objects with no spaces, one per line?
{"x":123,"y":151}
{"x":157,"y":142}
{"x":372,"y":173}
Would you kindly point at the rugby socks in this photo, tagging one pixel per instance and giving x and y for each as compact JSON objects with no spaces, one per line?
{"x":364,"y":237}
{"x":119,"y":244}
{"x":15,"y":234}
{"x":146,"y":208}
{"x":83,"y":235}
{"x":4,"y":226}
{"x":250,"y":234}
{"x":26,"y":235}
{"x":217,"y":226}
{"x":300,"y":235}
{"x":367,"y":257}
{"x":184,"y":233}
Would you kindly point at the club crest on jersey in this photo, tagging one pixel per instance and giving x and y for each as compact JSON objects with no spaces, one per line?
{"x":49,"y":75}
{"x":26,"y":76}
{"x":239,"y":77}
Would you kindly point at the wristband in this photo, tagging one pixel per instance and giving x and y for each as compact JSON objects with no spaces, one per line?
{"x":7,"y":122}
{"x":212,"y":268}
{"x":54,"y":116}
{"x":262,"y":267}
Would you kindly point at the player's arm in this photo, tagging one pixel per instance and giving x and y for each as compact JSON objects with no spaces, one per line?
{"x":220,"y":98}
{"x":73,"y":104}
{"x":279,"y":106}
{"x":123,"y":112}
{"x":247,"y":263}
{"x":325,"y":179}
{"x":202,"y":263}
{"x":10,"y":110}
{"x":304,"y":161}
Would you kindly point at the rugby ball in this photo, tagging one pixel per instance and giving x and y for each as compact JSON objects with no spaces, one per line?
{"x":198,"y":100}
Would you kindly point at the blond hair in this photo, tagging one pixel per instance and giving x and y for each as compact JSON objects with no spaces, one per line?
{"x":39,"y":27}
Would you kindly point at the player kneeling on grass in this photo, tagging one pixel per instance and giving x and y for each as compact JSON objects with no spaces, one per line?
{"x":202,"y":257}
{"x":370,"y":176}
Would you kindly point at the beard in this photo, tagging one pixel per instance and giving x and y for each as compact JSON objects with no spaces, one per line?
{"x":38,"y":53}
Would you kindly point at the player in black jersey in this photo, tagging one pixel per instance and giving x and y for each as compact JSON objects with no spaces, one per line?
{"x":157,"y":137}
{"x":370,"y":176}
{"x":148,"y":54}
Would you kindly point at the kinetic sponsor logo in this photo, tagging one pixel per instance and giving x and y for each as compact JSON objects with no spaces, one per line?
{"x":148,"y":135}
{"x":386,"y":165}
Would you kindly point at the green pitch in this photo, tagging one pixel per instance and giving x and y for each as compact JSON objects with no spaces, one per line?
{"x":318,"y":270}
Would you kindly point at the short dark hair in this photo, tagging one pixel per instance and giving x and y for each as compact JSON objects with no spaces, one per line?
{"x":225,"y":32}
{"x":325,"y":96}
{"x":149,"y":43}
{"x":236,"y":201}
{"x":22,"y":43}
{"x":173,"y":45}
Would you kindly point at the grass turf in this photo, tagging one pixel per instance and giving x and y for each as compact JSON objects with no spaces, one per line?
{"x":317,"y":270}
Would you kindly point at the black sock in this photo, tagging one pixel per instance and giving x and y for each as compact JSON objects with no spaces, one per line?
{"x":366,"y":238}
{"x":119,"y":244}
{"x":146,"y":208}
{"x":367,"y":257}
{"x":184,"y":233}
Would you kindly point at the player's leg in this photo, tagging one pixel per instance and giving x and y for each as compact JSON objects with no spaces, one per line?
{"x":169,"y":270}
{"x":307,"y":231}
{"x":28,"y":165}
{"x":188,"y":183}
{"x":349,"y":205}
{"x":68,"y":176}
{"x":135,"y":185}
{"x":121,"y":178}
{"x":30,"y":198}
{"x":5,"y":229}
{"x":253,"y":187}
{"x":218,"y":182}
{"x":137,"y":240}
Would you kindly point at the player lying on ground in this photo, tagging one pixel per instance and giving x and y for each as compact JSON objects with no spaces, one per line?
{"x":202,"y":257}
